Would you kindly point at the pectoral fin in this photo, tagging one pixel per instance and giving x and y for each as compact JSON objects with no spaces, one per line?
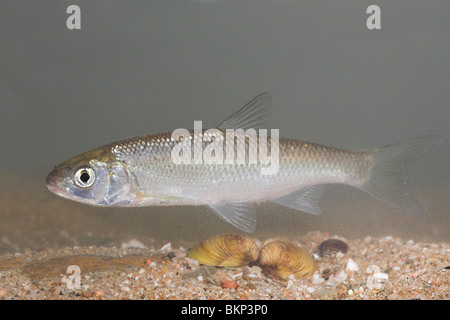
{"x":239,"y":214}
{"x":155,"y":199}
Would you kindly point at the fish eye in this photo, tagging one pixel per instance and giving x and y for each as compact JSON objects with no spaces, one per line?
{"x":84,"y":177}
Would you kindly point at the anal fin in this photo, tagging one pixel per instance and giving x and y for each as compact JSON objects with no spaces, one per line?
{"x":305,"y":199}
{"x":240,"y":214}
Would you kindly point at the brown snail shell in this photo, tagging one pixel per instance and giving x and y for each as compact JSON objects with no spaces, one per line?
{"x":330,"y":247}
{"x":225,"y":250}
{"x":282,"y":258}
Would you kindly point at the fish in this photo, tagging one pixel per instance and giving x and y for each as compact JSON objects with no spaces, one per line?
{"x":142,"y":171}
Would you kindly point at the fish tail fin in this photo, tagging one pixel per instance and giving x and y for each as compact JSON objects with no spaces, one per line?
{"x":385,"y":180}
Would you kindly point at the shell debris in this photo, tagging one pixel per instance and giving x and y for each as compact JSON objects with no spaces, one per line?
{"x":277,"y":258}
{"x":330,"y":247}
{"x":225,"y":250}
{"x":282,"y":259}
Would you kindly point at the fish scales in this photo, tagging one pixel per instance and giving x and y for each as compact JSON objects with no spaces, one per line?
{"x":149,"y":158}
{"x":145,"y":171}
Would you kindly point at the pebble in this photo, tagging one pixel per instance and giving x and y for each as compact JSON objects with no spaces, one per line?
{"x":310,"y":289}
{"x":231,"y":284}
{"x":290,"y":284}
{"x":373,"y":269}
{"x":99,"y":293}
{"x":352,"y":266}
{"x":316,"y":278}
{"x":167,"y":247}
{"x":133,"y":243}
{"x":334,"y":280}
{"x":125,"y":288}
{"x":377,"y":279}
{"x":325,"y":294}
{"x":3,"y":292}
{"x":361,"y":292}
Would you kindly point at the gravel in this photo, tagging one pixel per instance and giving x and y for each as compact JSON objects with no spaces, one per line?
{"x":372,"y":268}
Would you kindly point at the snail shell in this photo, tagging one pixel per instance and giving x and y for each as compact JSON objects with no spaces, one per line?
{"x":282,"y":258}
{"x":330,"y":247}
{"x":225,"y":250}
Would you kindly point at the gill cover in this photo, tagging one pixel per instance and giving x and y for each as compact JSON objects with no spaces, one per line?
{"x":94,"y":178}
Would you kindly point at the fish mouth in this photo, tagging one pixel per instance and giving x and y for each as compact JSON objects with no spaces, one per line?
{"x":53,"y":189}
{"x":50,"y":182}
{"x":58,"y":191}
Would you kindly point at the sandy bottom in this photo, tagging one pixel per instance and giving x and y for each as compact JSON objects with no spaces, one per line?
{"x":372,"y":268}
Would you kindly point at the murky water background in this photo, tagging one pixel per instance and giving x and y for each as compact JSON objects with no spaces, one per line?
{"x":146,"y":67}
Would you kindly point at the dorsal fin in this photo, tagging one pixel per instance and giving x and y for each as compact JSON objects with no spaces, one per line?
{"x":256,"y":114}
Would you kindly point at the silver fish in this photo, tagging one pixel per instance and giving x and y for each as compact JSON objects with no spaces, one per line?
{"x":141,"y":171}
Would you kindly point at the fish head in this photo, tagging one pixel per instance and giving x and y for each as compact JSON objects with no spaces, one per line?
{"x":95,"y":177}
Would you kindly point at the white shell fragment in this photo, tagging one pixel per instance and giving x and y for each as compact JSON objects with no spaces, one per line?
{"x":316,"y":278}
{"x":133,"y":244}
{"x":352,"y":266}
{"x":377,"y":279}
{"x":167,"y":247}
